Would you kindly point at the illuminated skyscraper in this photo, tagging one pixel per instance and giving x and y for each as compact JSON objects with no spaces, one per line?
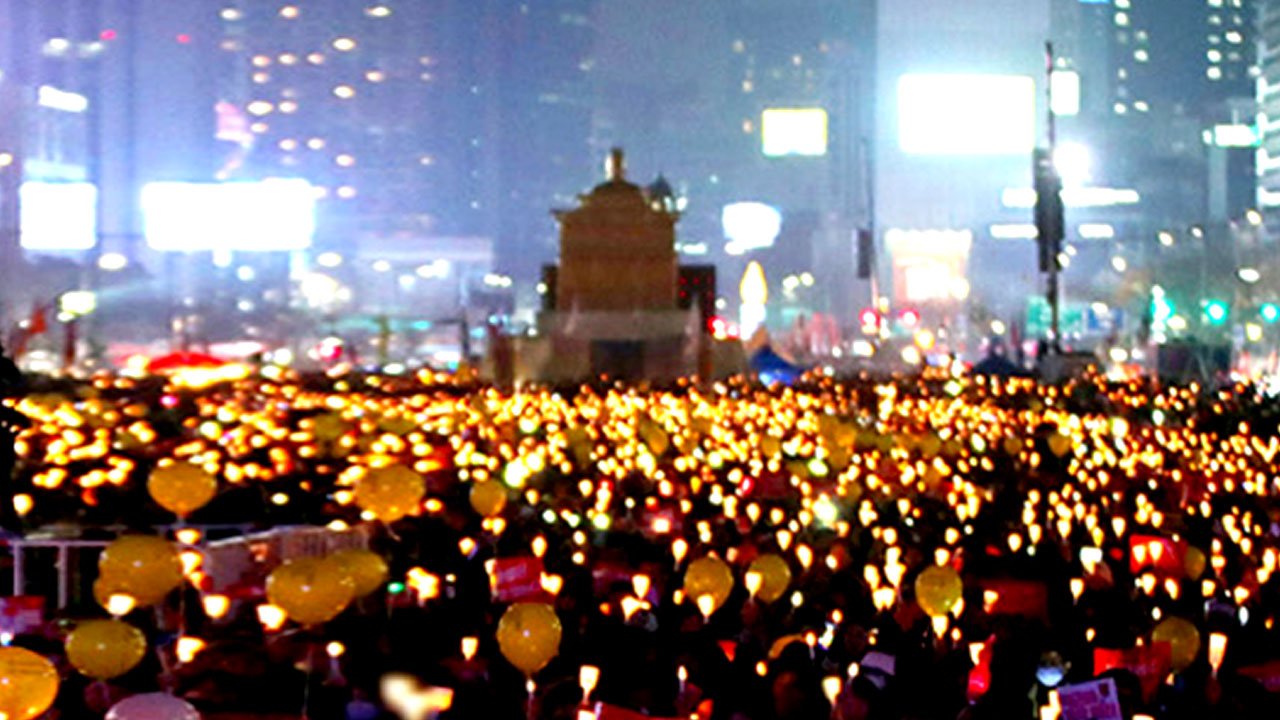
{"x":1268,"y":95}
{"x":112,"y":93}
{"x":759,"y":101}
{"x":415,"y":118}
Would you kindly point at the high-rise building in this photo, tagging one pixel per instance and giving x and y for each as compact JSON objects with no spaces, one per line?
{"x":100,"y":97}
{"x":416,"y":119}
{"x":340,"y":94}
{"x":541,"y":58}
{"x":1176,"y":79}
{"x":1268,"y":95}
{"x":961,"y":90}
{"x":754,"y":110}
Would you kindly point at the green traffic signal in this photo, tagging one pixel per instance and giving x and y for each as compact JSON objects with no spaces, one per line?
{"x":1270,"y":312}
{"x":1216,"y":311}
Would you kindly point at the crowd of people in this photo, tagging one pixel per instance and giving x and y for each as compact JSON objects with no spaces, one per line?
{"x":1097,"y":531}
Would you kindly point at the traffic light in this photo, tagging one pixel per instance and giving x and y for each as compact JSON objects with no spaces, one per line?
{"x":1216,"y":311}
{"x":1050,"y":226}
{"x":866,"y":254}
{"x":1270,"y":312}
{"x":909,"y":318}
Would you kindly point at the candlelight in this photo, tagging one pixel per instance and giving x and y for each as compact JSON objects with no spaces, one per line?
{"x":630,"y":606}
{"x":678,"y":549}
{"x":121,"y":604}
{"x":188,"y":647}
{"x":588,"y":676}
{"x":272,"y":617}
{"x":552,"y":583}
{"x":640,"y":584}
{"x":804,"y":555}
{"x":216,"y":606}
{"x":1217,"y":651}
{"x":939,"y":623}
{"x":469,"y":647}
{"x":831,"y":686}
{"x":706,"y":605}
{"x":975,"y":651}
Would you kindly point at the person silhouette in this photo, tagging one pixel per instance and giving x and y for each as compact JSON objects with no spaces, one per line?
{"x":12,"y":385}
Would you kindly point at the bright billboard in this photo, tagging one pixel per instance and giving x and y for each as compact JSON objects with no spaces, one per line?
{"x":265,"y":216}
{"x":58,"y":216}
{"x":750,"y":226}
{"x":794,"y":131}
{"x":957,"y":114}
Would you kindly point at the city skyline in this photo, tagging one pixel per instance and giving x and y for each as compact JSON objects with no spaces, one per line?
{"x":447,"y":132}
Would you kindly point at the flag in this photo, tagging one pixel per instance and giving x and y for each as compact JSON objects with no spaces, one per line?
{"x":38,"y":323}
{"x":1151,"y":662}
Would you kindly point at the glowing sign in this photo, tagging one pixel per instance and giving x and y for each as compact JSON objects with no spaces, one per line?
{"x":55,"y":99}
{"x":1016,"y":231}
{"x":966,"y":114}
{"x":1232,"y":136}
{"x":754,"y":289}
{"x":271,"y":215}
{"x":1079,"y":197}
{"x":1065,"y":85}
{"x":794,"y":131}
{"x":58,"y":216}
{"x":750,"y":226}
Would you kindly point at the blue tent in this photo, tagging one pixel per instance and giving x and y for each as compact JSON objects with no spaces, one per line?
{"x":772,"y":367}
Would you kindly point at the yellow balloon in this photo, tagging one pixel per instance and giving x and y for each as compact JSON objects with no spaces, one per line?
{"x":938,"y":589}
{"x":654,"y":437}
{"x":182,"y":488}
{"x":1194,"y":563}
{"x":488,"y":498}
{"x":328,"y":427}
{"x":143,"y":566}
{"x":311,"y":591}
{"x":1059,"y":444}
{"x":930,"y":446}
{"x":708,"y":576}
{"x":366,"y":569}
{"x":775,"y":576}
{"x":28,"y":683}
{"x":1183,"y":639}
{"x":529,"y":636}
{"x":397,"y":424}
{"x":391,"y":492}
{"x":103,"y":649}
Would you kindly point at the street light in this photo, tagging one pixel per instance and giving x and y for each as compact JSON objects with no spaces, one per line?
{"x":112,"y":262}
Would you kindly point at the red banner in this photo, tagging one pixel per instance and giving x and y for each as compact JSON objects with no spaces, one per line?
{"x":980,"y":674}
{"x":1028,"y":598}
{"x":1268,"y":674}
{"x":605,"y":711}
{"x":605,"y":575}
{"x":1151,"y":663}
{"x":1161,"y":554}
{"x":22,"y":615}
{"x":516,"y":579}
